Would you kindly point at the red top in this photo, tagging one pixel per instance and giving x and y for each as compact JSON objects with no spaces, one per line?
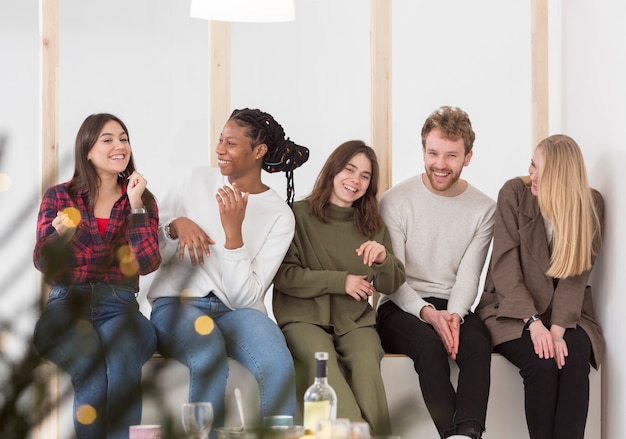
{"x":101,"y":249}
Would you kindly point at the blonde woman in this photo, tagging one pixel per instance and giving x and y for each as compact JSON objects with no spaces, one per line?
{"x":537,"y":304}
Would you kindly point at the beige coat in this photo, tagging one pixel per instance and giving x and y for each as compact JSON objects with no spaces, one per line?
{"x":517,"y":286}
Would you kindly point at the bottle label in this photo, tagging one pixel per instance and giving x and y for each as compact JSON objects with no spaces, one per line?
{"x":315,"y":411}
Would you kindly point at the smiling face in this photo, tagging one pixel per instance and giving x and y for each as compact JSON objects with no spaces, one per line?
{"x":352,"y":181}
{"x":536,"y":163}
{"x":111,"y":152}
{"x":235,"y":156}
{"x":444,"y":160}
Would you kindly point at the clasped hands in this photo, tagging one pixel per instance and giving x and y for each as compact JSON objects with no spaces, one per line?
{"x":446,"y":325}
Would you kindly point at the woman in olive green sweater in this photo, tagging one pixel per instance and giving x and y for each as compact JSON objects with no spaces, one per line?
{"x":340,"y":254}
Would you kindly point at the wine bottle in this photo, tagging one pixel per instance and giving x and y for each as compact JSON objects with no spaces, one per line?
{"x":320,"y":400}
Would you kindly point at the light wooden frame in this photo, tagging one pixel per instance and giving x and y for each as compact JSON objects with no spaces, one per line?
{"x":380,"y":84}
{"x":46,"y":380}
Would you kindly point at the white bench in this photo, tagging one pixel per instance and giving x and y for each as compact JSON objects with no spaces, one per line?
{"x":409,"y":417}
{"x":505,"y":411}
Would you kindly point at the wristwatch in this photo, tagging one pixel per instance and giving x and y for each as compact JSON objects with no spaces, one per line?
{"x":168,"y":229}
{"x":531,"y":320}
{"x":139,"y":211}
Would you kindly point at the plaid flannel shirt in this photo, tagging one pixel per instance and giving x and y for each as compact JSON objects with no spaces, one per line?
{"x":130,"y":246}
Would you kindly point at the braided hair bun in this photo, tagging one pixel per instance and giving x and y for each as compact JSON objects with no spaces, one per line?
{"x":286,"y":157}
{"x":283,"y":155}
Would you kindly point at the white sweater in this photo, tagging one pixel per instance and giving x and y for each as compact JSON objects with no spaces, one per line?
{"x":239,"y":277}
{"x":442,"y":241}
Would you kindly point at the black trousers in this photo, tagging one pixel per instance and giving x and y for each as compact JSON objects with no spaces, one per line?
{"x":403,"y":333}
{"x":556,"y":400}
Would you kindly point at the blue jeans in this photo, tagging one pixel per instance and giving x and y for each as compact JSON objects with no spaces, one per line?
{"x":246,"y":335}
{"x":96,"y":333}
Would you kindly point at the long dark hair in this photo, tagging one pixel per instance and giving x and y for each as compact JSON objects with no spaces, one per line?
{"x":367,"y":218}
{"x":283,"y":155}
{"x":85,"y":174}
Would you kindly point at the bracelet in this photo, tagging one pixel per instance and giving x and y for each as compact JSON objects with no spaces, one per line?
{"x":531,"y":320}
{"x":139,"y":211}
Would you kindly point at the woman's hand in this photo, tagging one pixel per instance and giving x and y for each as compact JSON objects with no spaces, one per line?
{"x":560,"y":346}
{"x":372,"y":252}
{"x":192,"y":237}
{"x":65,"y":225}
{"x":136,"y":185}
{"x":542,"y":339}
{"x":358,"y":287}
{"x":232,"y":204}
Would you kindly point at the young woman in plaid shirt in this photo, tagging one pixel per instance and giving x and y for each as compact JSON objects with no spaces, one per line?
{"x":96,"y":234}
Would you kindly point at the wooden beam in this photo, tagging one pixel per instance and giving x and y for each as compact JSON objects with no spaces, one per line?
{"x":47,"y":378}
{"x":539,"y":68}
{"x":48,"y":88}
{"x":380,"y":77}
{"x":219,"y":82}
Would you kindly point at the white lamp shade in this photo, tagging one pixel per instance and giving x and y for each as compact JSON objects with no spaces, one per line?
{"x":243,"y":10}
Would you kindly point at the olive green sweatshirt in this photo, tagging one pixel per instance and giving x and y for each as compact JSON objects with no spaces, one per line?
{"x":310,"y":284}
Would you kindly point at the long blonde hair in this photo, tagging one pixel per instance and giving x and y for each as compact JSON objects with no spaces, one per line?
{"x":566,"y":201}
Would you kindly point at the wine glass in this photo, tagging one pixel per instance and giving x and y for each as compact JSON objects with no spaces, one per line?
{"x":197,"y":419}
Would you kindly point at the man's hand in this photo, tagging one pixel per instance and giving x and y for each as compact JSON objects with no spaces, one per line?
{"x":446,"y":325}
{"x":455,"y":328}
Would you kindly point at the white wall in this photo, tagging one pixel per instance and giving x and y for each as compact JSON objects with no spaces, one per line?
{"x":475,"y":55}
{"x":593,"y":112}
{"x":19,"y":200}
{"x":146,"y":61}
{"x":312,"y":75}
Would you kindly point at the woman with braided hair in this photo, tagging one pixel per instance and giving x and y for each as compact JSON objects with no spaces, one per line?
{"x":208,"y":306}
{"x":285,"y":156}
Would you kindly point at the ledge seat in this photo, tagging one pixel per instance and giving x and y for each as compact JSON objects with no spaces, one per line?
{"x":409,"y":417}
